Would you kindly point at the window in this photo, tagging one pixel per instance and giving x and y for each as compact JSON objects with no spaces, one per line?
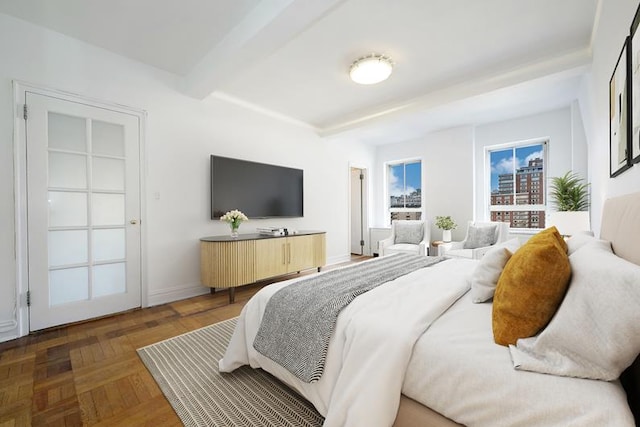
{"x":517,"y":177}
{"x":404,"y":189}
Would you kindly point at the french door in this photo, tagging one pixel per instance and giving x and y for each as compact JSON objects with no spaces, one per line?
{"x":83,"y":210}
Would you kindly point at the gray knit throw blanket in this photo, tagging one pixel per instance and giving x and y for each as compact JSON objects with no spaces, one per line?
{"x":299,"y":319}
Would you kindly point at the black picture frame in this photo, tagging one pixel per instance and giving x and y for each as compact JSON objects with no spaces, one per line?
{"x":634,"y":73}
{"x":619,"y":114}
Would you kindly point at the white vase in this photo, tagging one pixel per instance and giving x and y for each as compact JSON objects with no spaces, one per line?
{"x":446,"y":235}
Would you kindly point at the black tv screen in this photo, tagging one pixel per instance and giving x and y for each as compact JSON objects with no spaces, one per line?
{"x":258,"y":190}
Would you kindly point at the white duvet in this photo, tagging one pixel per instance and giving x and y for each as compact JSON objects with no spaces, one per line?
{"x":370,"y":348}
{"x":457,"y":370}
{"x":418,"y":336}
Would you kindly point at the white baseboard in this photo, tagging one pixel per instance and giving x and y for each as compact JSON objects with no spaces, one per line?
{"x":176,"y":293}
{"x":8,"y":337}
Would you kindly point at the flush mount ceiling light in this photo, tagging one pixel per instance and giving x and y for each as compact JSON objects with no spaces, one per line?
{"x":371,"y":69}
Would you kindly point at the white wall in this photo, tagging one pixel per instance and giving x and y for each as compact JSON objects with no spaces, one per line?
{"x":565,"y":151}
{"x":181,"y":134}
{"x":612,"y":28}
{"x":454,"y":159}
{"x":447,"y":176}
{"x":579,"y":147}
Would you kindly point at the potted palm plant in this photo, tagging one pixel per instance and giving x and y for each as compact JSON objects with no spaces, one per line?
{"x":570,"y":195}
{"x":446,"y":224}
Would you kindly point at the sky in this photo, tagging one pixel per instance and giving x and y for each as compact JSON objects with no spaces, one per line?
{"x":503,"y":161}
{"x":413,"y":177}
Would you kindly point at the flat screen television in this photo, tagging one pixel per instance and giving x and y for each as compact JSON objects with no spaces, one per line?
{"x":258,"y":190}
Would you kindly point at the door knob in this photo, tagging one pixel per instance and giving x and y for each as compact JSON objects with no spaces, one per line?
{"x":133,"y":221}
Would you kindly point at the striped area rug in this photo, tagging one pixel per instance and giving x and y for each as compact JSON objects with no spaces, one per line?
{"x":186,"y":369}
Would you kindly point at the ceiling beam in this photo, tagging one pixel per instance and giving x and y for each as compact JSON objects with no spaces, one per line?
{"x":267,"y":27}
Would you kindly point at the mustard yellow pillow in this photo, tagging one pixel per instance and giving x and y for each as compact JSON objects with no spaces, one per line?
{"x":531,"y":287}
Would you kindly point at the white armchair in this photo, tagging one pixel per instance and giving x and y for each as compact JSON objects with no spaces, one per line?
{"x":408,"y":236}
{"x":481,"y":236}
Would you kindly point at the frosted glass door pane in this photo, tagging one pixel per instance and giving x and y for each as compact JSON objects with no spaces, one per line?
{"x":68,"y":247}
{"x":109,"y":279}
{"x":67,"y":170}
{"x":108,"y":244}
{"x":67,"y":132}
{"x":107,"y":209}
{"x":67,"y":209}
{"x":107,"y":138}
{"x":68,"y":285}
{"x":108,"y":174}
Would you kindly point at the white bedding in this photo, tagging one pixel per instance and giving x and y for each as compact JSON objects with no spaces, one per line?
{"x":458,"y":371}
{"x":370,"y":348}
{"x":454,"y":367}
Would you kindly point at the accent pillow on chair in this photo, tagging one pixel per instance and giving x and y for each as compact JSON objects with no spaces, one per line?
{"x":409,"y":232}
{"x":531,"y":287}
{"x":481,"y":236}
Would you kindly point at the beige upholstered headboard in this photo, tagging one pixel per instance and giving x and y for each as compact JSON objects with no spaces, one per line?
{"x":621,"y":226}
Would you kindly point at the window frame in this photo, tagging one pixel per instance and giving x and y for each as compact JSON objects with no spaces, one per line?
{"x":488,"y":208}
{"x":387,"y":196}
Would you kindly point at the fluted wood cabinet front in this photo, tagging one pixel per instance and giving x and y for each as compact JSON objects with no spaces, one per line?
{"x":271,"y":258}
{"x":229,"y":263}
{"x":306,"y":252}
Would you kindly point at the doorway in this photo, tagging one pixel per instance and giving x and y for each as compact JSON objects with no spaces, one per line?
{"x":358,"y":209}
{"x":83,"y":205}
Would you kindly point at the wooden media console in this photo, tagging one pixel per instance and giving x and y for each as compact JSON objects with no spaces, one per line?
{"x":227,"y":262}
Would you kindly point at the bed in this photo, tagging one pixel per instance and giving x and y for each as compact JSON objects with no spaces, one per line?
{"x":424,"y":352}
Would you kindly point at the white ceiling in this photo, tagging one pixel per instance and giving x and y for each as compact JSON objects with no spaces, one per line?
{"x":457,"y":61}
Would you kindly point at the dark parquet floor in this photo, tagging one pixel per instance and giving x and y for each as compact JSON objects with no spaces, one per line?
{"x":90,"y":374}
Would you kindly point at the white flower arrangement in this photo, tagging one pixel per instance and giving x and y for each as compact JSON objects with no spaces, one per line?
{"x":234,"y":218}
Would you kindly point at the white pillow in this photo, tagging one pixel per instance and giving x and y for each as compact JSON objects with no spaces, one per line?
{"x":484,"y":278}
{"x":596,"y":331}
{"x":578,"y":240}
